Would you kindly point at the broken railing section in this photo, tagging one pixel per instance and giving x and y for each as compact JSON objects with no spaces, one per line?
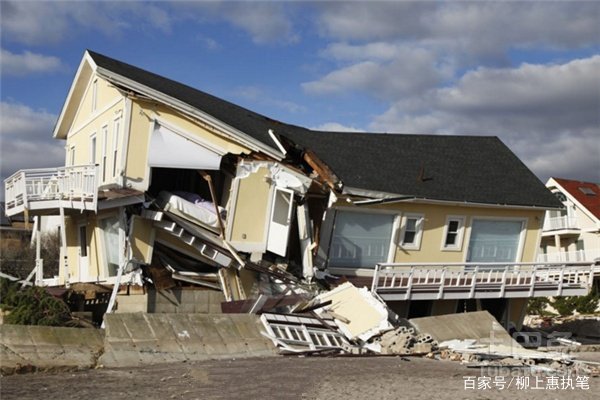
{"x":344,"y":320}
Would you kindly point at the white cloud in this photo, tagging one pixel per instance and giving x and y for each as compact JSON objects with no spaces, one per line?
{"x":472,"y":27}
{"x":547,"y":114}
{"x":27,"y":139}
{"x":264,"y":21}
{"x":43,"y":22}
{"x":28,"y":63}
{"x":335,"y":127}
{"x":411,"y":70}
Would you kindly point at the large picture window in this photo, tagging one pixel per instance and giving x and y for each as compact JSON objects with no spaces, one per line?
{"x":360,"y":240}
{"x":495,"y":240}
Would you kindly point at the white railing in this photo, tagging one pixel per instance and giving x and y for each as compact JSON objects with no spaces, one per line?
{"x":480,"y":280}
{"x":558,"y":223}
{"x":75,"y":183}
{"x":570,"y":256}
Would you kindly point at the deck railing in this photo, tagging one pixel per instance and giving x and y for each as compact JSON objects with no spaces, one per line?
{"x":570,"y":256}
{"x":559,"y":223}
{"x":76,"y":184}
{"x":480,"y":280}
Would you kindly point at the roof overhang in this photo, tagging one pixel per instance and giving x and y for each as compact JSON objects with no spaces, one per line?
{"x":375,"y":197}
{"x":85,"y":71}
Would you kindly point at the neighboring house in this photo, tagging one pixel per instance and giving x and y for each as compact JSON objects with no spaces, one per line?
{"x":194,"y":189}
{"x":573,"y":232}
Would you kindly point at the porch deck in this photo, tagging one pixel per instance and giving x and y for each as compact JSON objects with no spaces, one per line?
{"x":431,"y":281}
{"x":43,"y":191}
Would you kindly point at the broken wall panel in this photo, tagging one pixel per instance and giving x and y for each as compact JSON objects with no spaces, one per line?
{"x":360,"y":314}
{"x":262,"y":205}
{"x":142,"y":239}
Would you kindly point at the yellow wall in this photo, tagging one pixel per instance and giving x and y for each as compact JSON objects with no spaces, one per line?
{"x":110,"y":107}
{"x":96,"y":259}
{"x":435,"y":218}
{"x":143,"y":115}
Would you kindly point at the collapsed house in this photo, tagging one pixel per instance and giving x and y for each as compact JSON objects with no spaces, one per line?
{"x":166,"y":186}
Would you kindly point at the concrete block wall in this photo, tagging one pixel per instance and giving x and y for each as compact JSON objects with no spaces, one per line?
{"x":185,"y":301}
{"x":49,"y":347}
{"x":139,"y":338}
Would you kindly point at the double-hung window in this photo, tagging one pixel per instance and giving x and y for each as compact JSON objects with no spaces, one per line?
{"x":116,"y":133}
{"x":412,"y":231}
{"x":104,"y":160}
{"x":453,"y":234}
{"x":93,"y":143}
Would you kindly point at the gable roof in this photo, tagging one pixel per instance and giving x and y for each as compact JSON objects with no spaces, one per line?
{"x":590,"y":201}
{"x":474,"y":169}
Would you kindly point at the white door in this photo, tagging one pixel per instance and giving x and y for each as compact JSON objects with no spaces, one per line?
{"x":83,"y":254}
{"x":279,"y":224}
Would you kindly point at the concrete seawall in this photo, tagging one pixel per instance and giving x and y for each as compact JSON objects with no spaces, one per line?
{"x":46,"y":347}
{"x":138,"y":339}
{"x":134,"y":339}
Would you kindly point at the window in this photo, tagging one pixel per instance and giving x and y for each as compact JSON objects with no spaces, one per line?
{"x":412,"y":231}
{"x":453,"y":233}
{"x":360,"y":239}
{"x":117,"y":128}
{"x":94,"y":94}
{"x":495,"y":240}
{"x":587,"y":191}
{"x":104,"y":165}
{"x":110,"y":236}
{"x":72,"y":158}
{"x":93,"y":149}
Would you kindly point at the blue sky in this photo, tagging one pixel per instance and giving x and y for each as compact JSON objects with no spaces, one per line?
{"x":528,"y":72}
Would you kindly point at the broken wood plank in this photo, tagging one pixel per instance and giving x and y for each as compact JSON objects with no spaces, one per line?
{"x":323,"y":170}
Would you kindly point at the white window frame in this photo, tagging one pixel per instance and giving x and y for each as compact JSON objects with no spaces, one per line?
{"x":116,"y":135}
{"x":459,"y":233}
{"x":104,"y":158}
{"x":72,"y":155}
{"x":93,"y":148}
{"x":393,"y":237}
{"x":416,"y":245}
{"x":94,"y":94}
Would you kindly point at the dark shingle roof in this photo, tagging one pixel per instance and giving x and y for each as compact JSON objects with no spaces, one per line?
{"x":476,"y":169}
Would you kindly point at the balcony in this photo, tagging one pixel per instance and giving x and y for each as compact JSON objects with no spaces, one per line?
{"x":48,"y":189}
{"x":560,"y":224}
{"x":570,"y":256}
{"x":429,"y":281}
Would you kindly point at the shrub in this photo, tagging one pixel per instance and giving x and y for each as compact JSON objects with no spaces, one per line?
{"x":537,"y":306}
{"x":32,"y":305}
